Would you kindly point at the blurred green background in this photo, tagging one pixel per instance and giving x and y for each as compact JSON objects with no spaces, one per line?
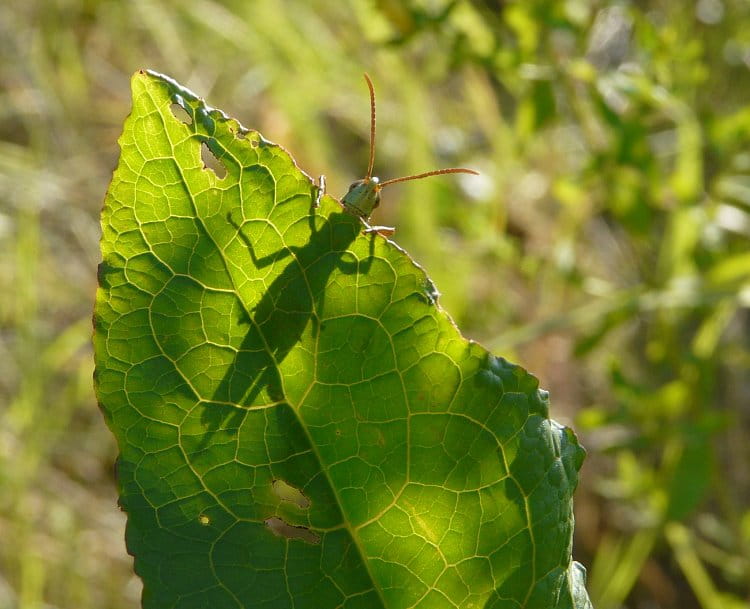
{"x":604,"y":247}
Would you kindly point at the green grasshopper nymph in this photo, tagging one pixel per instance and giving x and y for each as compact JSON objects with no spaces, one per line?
{"x":364,"y":195}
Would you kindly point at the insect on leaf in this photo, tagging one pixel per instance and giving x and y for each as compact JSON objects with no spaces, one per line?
{"x":299,"y":423}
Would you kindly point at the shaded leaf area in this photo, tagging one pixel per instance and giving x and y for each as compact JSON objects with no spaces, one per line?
{"x":299,"y":423}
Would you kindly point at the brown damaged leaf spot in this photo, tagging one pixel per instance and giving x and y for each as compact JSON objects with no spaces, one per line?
{"x":281,"y":529}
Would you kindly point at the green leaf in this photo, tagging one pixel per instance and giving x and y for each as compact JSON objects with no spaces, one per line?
{"x":299,"y":423}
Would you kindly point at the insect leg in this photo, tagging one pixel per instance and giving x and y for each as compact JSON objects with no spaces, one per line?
{"x":385,"y":231}
{"x":320,"y":190}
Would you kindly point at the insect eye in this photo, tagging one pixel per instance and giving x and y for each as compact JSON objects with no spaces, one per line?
{"x":354,"y":185}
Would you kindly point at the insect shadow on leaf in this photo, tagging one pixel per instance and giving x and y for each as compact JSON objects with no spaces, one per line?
{"x":276,"y":324}
{"x":294,"y":298}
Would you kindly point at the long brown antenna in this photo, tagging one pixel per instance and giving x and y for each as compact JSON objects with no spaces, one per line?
{"x":437,"y":172}
{"x":372,"y":127}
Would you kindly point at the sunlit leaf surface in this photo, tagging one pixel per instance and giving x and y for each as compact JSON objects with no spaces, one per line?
{"x":299,"y":423}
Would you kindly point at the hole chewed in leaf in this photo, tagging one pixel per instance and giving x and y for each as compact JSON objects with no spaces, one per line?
{"x":204,"y":520}
{"x":211,"y":162}
{"x":281,"y":529}
{"x":285,"y":492}
{"x":181,"y":114}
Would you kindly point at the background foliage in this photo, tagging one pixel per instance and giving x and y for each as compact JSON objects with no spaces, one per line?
{"x":605,"y":248}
